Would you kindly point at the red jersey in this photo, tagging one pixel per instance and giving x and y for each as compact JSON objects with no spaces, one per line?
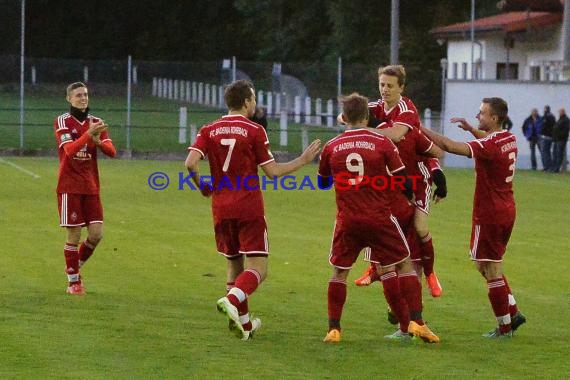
{"x":404,"y":112}
{"x":495,"y":156}
{"x":77,"y":174}
{"x":432,"y":164}
{"x":414,"y":145}
{"x":235,"y":146}
{"x":359,"y":152}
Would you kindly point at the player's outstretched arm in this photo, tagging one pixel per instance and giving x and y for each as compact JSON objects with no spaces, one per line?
{"x":447,"y":144}
{"x":274,"y":169}
{"x":463,"y":124}
{"x":435,"y":151}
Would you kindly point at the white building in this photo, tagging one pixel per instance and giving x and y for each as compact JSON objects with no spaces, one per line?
{"x":522,"y":56}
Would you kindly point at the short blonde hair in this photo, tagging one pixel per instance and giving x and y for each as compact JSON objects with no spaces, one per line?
{"x":397,"y":71}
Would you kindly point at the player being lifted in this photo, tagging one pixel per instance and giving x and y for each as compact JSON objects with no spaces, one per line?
{"x":364,"y":219}
{"x":396,"y":117}
{"x":235,"y":147}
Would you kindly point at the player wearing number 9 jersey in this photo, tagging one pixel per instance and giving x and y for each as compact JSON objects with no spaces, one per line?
{"x":235,"y":147}
{"x":495,"y":153}
{"x":364,"y":219}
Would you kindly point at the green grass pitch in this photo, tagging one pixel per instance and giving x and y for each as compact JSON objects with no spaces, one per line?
{"x":153,"y":282}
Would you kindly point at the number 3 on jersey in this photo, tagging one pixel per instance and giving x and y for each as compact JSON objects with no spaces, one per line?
{"x":231,"y":143}
{"x":513,"y":158}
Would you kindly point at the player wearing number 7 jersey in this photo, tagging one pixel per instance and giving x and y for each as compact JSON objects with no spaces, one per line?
{"x":495,"y":153}
{"x":235,"y":147}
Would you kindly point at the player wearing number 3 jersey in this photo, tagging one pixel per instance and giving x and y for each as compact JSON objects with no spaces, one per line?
{"x":495,"y":153}
{"x":235,"y":146}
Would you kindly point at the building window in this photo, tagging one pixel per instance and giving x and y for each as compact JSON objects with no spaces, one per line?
{"x":464,"y":70}
{"x":478,"y":69}
{"x":535,"y":73}
{"x":511,"y":73}
{"x":454,"y":70}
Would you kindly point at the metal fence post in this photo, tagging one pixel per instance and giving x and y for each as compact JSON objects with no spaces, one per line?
{"x":283,"y":128}
{"x":182,"y":124}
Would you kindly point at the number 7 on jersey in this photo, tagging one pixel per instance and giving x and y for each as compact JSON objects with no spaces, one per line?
{"x":231,"y":143}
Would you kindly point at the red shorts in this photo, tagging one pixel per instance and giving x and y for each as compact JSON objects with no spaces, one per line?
{"x":489,"y":241}
{"x":79,"y":209}
{"x":236,"y":237}
{"x":386,"y":242}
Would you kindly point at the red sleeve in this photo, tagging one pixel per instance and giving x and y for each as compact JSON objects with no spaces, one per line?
{"x":324,"y":166}
{"x":261,"y":148}
{"x":408,"y":117}
{"x":72,"y":147}
{"x":393,"y":161}
{"x":108,"y":148}
{"x":200,"y":145}
{"x":482,"y":149}
{"x":423,"y":143}
{"x":432,"y":164}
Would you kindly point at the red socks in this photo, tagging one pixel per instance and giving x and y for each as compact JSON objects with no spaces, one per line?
{"x":71,"y":254}
{"x":336,"y":300}
{"x":513,"y":308}
{"x":395,"y":300}
{"x":499,"y":297}
{"x":243,"y":309}
{"x":85,"y":251}
{"x":245,"y":285}
{"x":412,"y":293}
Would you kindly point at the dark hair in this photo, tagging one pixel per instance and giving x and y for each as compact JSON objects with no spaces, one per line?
{"x":498,"y":107}
{"x":73,"y":86}
{"x":354,"y":108}
{"x":397,"y":71}
{"x":237,"y":92}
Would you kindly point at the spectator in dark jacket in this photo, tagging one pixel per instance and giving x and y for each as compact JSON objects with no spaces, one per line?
{"x":545,"y":138}
{"x":560,"y":137}
{"x":532,"y":127}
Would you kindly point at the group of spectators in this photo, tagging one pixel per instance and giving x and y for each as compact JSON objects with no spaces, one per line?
{"x":550,"y":135}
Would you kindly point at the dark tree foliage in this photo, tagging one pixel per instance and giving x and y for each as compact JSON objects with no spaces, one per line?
{"x":311,"y":32}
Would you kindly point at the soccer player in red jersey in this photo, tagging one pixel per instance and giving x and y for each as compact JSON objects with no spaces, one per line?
{"x":235,"y":147}
{"x":399,"y":118}
{"x":364,"y":219}
{"x":396,"y":117}
{"x":79,"y":135}
{"x":495,"y":152}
